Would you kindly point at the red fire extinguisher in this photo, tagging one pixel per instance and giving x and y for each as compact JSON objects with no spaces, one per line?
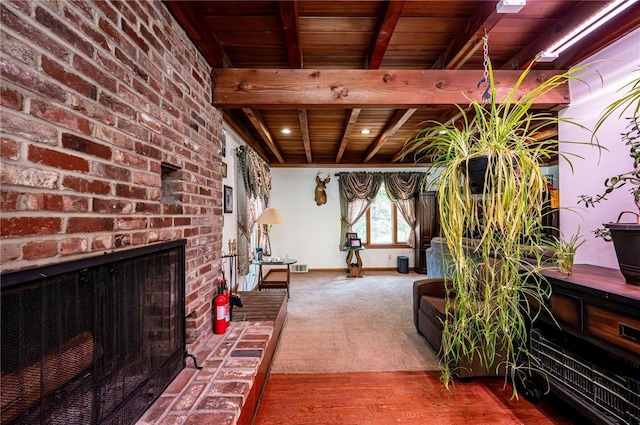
{"x":220,"y":322}
{"x":227,"y":307}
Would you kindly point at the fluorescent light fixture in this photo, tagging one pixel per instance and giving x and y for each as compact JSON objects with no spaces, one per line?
{"x":545,"y":56}
{"x":285,"y":131}
{"x":510,"y":6}
{"x":365,"y":131}
{"x":603,"y":16}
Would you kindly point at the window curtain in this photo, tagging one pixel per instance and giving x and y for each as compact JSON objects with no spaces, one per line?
{"x":403,"y":188}
{"x":253,"y":183}
{"x":357,"y":190}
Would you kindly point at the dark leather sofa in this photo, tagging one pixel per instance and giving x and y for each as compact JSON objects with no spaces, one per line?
{"x":429,"y":302}
{"x":429,"y":312}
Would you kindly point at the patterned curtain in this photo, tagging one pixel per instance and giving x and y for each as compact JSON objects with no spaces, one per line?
{"x":244,"y":232}
{"x":254,"y":182}
{"x":256,"y":174}
{"x":403,"y":188}
{"x":357,"y":190}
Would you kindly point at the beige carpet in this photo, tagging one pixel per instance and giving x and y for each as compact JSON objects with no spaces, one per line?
{"x":337,"y":324}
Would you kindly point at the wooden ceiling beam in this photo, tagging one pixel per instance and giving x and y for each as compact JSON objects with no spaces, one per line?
{"x":464,"y":45}
{"x":384,"y":30}
{"x":203,"y":38}
{"x":306,"y":138}
{"x":449,"y":118}
{"x":446,"y":118}
{"x":393,"y":125}
{"x":260,"y":126}
{"x":349,"y":88}
{"x":346,"y":134}
{"x":291,"y":27}
{"x":236,"y":125}
{"x":546,"y":133}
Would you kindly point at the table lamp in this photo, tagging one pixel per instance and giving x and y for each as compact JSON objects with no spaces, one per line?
{"x":269,"y":217}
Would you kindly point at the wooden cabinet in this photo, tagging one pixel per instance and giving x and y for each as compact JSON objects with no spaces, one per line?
{"x":427,"y":227}
{"x":593,"y":360}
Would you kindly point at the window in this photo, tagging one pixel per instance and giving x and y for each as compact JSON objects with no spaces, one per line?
{"x":382,"y":225}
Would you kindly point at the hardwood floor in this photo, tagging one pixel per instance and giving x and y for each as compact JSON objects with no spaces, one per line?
{"x":398,"y":398}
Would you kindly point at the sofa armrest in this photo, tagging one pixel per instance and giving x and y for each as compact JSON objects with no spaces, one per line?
{"x":433,"y":287}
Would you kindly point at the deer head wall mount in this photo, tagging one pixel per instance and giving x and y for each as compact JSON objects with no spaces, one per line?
{"x":321,"y":185}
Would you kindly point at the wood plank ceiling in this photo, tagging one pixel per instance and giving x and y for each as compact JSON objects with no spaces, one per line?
{"x":329,"y":69}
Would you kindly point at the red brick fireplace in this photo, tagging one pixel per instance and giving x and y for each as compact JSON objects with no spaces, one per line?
{"x":109,"y":141}
{"x":92,"y":341}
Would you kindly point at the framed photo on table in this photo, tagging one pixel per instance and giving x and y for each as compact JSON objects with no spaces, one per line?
{"x":228,"y":199}
{"x":351,"y":236}
{"x":354,"y":243}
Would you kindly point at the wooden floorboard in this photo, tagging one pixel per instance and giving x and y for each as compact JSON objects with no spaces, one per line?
{"x":399,"y":398}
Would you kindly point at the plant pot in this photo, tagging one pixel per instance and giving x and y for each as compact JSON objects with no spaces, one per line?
{"x":626,"y":241}
{"x":565,"y":262}
{"x":476,"y":169}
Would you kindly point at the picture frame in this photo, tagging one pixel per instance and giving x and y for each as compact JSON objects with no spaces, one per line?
{"x":228,"y":199}
{"x":223,"y":170}
{"x":355,"y":243}
{"x":351,"y":236}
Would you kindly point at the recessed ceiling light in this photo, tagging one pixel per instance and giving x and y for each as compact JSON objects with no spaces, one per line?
{"x":286,"y":131}
{"x":365,"y":131}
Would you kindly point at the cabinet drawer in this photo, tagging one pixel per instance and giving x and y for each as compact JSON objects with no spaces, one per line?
{"x":615,"y":328}
{"x":567,"y":310}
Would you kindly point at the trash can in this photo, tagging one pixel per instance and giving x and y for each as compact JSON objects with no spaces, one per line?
{"x":403,"y":264}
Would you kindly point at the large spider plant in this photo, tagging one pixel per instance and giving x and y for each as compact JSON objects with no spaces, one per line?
{"x":492,"y":285}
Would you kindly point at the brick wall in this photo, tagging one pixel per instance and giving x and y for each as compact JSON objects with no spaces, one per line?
{"x":106,"y":107}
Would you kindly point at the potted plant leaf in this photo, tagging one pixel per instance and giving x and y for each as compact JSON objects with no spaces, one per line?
{"x":565,"y":249}
{"x":626,"y":235}
{"x":487,"y":300}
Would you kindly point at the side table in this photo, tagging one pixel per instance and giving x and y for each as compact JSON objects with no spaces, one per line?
{"x":276,"y":278}
{"x":354,"y":269}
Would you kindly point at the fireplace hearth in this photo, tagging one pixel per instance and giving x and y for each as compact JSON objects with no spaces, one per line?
{"x":92,"y":341}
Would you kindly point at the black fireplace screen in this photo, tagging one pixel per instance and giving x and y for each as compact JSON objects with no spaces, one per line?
{"x":94,"y":341}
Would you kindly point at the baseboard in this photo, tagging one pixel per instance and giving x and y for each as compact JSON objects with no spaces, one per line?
{"x":364,"y":269}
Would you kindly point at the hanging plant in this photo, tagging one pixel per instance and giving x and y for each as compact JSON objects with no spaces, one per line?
{"x":492,"y":285}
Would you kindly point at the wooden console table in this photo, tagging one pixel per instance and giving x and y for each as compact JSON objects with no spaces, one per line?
{"x":354,"y":269}
{"x":275,"y":278}
{"x":593,"y":360}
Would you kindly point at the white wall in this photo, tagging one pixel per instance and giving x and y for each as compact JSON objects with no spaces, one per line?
{"x":311,"y":233}
{"x":230,"y":226}
{"x":616,"y":64}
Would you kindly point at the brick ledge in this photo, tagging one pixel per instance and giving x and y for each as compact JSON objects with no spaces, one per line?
{"x":217,"y":393}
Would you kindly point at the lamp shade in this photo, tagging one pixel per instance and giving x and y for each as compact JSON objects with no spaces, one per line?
{"x":270,"y":216}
